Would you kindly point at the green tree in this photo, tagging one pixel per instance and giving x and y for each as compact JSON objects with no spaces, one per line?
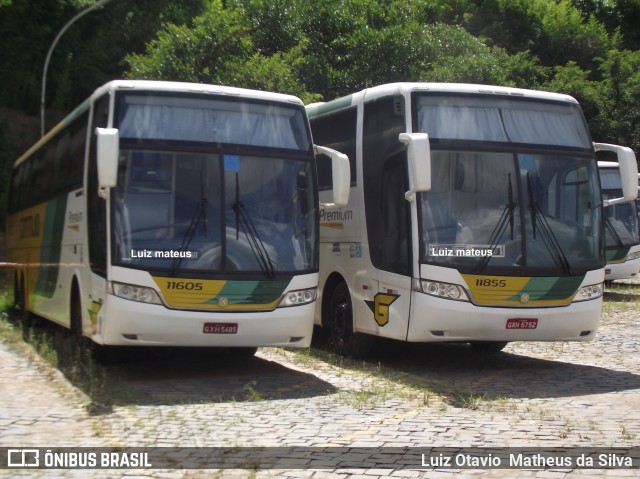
{"x":346,"y":45}
{"x":554,"y":31}
{"x":88,"y":54}
{"x":618,"y":16}
{"x":608,"y":103}
{"x":620,"y":95}
{"x":217,"y":47}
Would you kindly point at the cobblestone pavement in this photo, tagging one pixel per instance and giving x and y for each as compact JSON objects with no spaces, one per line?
{"x":531,"y":395}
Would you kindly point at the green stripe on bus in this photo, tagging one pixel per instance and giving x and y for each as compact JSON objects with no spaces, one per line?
{"x":617,"y":255}
{"x":251,"y":292}
{"x":554,"y":288}
{"x":51,"y":245}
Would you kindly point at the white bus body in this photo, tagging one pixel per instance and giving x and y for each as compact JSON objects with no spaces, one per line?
{"x":172,"y":214}
{"x":621,"y":228}
{"x":475,"y":216}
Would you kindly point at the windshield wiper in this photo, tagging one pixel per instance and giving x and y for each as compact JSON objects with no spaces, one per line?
{"x":200,"y":215}
{"x":506,"y":218}
{"x":243,"y":220}
{"x":548,"y":237}
{"x":614,"y":233}
{"x":257,"y":246}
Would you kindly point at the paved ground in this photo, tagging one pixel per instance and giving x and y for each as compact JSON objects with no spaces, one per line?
{"x":532,"y":395}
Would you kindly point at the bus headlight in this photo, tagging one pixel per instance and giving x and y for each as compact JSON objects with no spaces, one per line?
{"x":586,"y":293}
{"x":141,"y":294}
{"x":442,"y":290}
{"x":632,"y":256}
{"x":299,"y":297}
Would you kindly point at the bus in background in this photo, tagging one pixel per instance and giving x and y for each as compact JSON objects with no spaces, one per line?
{"x":621,"y":231}
{"x":638,"y":203}
{"x":173,"y":214}
{"x":475,"y":216}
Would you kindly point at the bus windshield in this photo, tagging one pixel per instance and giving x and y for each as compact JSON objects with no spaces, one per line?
{"x":620,"y":220}
{"x":490,"y":119}
{"x":501,"y":200}
{"x":211,"y":198}
{"x":203,"y":119}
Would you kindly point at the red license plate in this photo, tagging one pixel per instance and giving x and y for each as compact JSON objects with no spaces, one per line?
{"x":220,"y":328}
{"x":522,"y":323}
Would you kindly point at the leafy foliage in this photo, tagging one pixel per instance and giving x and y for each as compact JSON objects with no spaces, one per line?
{"x":321,"y":49}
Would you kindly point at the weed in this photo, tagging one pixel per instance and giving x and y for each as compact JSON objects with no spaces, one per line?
{"x":466,"y":400}
{"x":626,"y":435}
{"x":254,"y":394}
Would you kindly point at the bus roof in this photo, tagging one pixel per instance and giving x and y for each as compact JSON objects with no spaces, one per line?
{"x":161,"y":86}
{"x":170,"y":86}
{"x":404,"y":88}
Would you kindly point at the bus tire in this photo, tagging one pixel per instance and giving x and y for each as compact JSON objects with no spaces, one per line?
{"x":75,"y":312}
{"x":26,"y":319}
{"x":343,"y":339}
{"x":18,"y":294}
{"x":488,"y":347}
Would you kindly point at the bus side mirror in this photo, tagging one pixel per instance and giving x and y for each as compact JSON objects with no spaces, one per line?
{"x":341,"y":174}
{"x":108,"y":141}
{"x":419,"y":158}
{"x":628,"y":172}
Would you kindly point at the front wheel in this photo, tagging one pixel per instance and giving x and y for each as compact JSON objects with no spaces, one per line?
{"x":75,"y":312}
{"x":342,"y":338}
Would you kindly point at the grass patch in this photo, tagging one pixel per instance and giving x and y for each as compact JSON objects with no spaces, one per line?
{"x":620,"y":298}
{"x":58,"y":348}
{"x":10,"y":332}
{"x":466,"y":400}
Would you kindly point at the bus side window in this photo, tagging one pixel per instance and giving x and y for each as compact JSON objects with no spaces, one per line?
{"x":336,"y":131}
{"x":381,"y":149}
{"x":96,"y":206}
{"x":394,"y":213}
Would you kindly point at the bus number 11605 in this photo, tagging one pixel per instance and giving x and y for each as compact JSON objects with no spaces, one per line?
{"x":186,"y":285}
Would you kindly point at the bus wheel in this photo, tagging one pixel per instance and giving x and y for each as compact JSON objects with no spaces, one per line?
{"x":18,"y":295}
{"x":342,"y":338}
{"x":488,"y":347}
{"x":76,"y":313}
{"x":27,"y":320}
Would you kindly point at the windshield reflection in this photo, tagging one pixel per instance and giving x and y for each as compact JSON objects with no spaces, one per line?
{"x":621,"y":219}
{"x":170,"y":210}
{"x":507,"y":212}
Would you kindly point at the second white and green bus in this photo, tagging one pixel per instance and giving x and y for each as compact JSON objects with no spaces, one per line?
{"x":475,"y":216}
{"x":621,"y":231}
{"x":173,"y":214}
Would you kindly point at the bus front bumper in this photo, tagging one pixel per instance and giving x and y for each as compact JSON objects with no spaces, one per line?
{"x":440,"y":320}
{"x":628,"y":269}
{"x":131,"y":323}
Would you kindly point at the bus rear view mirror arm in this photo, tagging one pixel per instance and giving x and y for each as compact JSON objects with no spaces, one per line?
{"x":341,"y":174}
{"x":628,"y":172}
{"x":108,"y":142}
{"x":419,"y":158}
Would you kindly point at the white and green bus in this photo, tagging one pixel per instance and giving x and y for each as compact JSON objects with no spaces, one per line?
{"x":621,"y":231}
{"x":173,"y":214}
{"x":475,"y":216}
